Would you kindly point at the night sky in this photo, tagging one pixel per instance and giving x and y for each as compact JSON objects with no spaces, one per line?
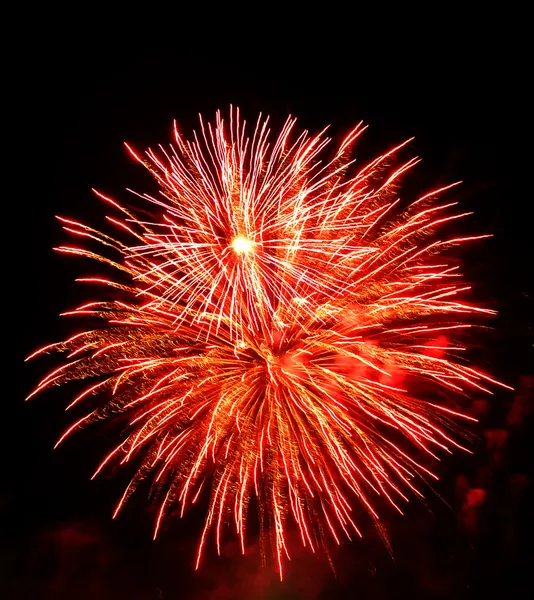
{"x":82,"y":98}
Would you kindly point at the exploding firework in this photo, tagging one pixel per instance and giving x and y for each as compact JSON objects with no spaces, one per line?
{"x":279,"y":330}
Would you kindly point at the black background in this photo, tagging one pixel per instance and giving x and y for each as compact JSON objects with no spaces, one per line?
{"x":80,"y":95}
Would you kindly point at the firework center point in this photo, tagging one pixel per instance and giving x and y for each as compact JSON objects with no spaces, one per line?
{"x":242,"y":245}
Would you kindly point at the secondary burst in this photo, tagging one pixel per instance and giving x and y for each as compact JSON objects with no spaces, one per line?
{"x":281,"y":328}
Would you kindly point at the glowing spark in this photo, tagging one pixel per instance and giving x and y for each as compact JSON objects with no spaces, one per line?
{"x":242,"y":245}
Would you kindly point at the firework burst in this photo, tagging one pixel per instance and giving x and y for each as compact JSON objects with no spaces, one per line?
{"x":280,"y":329}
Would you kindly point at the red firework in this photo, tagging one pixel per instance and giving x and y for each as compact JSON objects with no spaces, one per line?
{"x":281,"y":332}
